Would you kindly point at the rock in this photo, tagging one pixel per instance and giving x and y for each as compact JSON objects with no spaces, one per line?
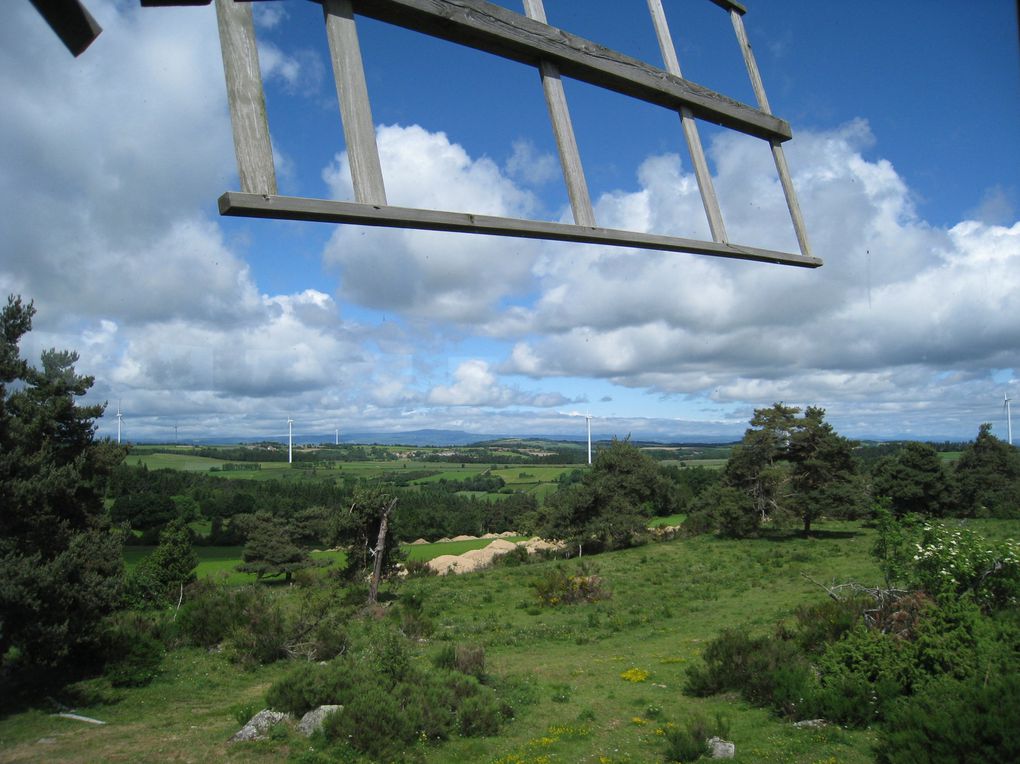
{"x":721,"y":749}
{"x":312,"y":721}
{"x":259,"y":725}
{"x":811,"y":724}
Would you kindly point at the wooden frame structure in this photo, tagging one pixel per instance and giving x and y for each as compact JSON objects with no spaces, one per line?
{"x":524,"y":38}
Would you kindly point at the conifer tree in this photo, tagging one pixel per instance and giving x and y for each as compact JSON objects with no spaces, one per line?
{"x":61,"y":568}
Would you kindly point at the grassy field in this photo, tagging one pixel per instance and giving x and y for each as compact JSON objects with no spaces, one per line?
{"x":668,"y":599}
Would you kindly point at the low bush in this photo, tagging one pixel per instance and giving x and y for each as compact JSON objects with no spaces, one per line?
{"x":467,"y":659}
{"x":557,"y":587}
{"x":689,"y":741}
{"x":132,"y":649}
{"x":953,"y":721}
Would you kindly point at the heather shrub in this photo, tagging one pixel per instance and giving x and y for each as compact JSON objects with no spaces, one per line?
{"x":689,"y":741}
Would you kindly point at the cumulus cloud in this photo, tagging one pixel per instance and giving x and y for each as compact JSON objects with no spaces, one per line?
{"x":440,"y":276}
{"x":899,"y":305}
{"x":475,"y":384}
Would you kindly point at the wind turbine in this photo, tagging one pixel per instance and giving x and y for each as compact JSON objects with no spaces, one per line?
{"x":119,"y":418}
{"x":338,"y":436}
{"x":290,"y":440}
{"x":1009,"y":419}
{"x":588,"y":418}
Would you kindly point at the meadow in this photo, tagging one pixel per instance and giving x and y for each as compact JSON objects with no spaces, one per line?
{"x":567,"y":669}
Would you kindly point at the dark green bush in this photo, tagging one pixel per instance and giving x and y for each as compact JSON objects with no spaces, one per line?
{"x":479,"y":715}
{"x":133,"y":651}
{"x":767,"y":672}
{"x":825,"y":622}
{"x":951,"y":721}
{"x":689,"y":741}
{"x":212,"y":611}
{"x":262,"y":634}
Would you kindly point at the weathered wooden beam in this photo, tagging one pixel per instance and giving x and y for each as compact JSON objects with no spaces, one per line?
{"x":355,"y":109}
{"x":778,"y":155}
{"x":492,"y":28}
{"x":731,"y":5}
{"x":566,"y":143}
{"x":690,"y":127}
{"x":245,"y":97}
{"x":238,"y":204}
{"x":71,"y":22}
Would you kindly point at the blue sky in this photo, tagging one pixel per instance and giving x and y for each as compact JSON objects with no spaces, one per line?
{"x":905,"y":155}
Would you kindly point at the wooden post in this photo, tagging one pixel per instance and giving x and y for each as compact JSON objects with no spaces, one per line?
{"x":690,"y":127}
{"x":355,"y":109}
{"x":559,"y":115}
{"x":380,"y":548}
{"x":246,"y":98}
{"x":778,"y":155}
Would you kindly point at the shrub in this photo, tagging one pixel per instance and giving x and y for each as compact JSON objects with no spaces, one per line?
{"x":479,"y":715}
{"x":767,"y":672}
{"x":689,"y":741}
{"x":951,"y":721}
{"x":825,"y":622}
{"x":467,"y":659}
{"x":557,"y":587}
{"x":133,"y":652}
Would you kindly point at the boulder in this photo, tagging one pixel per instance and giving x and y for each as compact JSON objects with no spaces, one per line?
{"x":721,"y":749}
{"x":259,"y":725}
{"x":312,"y":721}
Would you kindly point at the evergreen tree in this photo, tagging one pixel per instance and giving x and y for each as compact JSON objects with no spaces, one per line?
{"x":988,"y":475}
{"x":159,"y":578}
{"x":61,"y":568}
{"x":611,"y":505}
{"x":271,"y":551}
{"x":914,"y":481}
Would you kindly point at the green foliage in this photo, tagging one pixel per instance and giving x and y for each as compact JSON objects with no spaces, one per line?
{"x":132,"y":649}
{"x":948,"y":561}
{"x":61,"y":570}
{"x":988,"y":476}
{"x":158,"y":580}
{"x":915,"y":482}
{"x":557,"y":587}
{"x":725,"y":510}
{"x":689,"y":741}
{"x":609,"y":508}
{"x":467,"y":659}
{"x":790,"y":465}
{"x":357,"y":530}
{"x":955,"y":721}
{"x":271,"y":552}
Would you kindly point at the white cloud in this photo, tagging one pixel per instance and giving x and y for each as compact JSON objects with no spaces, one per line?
{"x":528,"y":166}
{"x":439,"y":276}
{"x":475,"y":384}
{"x":899,"y":304}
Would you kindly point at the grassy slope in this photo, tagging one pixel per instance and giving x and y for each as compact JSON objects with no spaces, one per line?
{"x":668,"y":600}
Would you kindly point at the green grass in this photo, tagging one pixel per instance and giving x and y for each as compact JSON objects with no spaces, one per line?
{"x":659,"y":522}
{"x":668,"y":600}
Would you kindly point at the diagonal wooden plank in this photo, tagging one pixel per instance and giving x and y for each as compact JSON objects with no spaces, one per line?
{"x":492,"y":28}
{"x":239,"y":204}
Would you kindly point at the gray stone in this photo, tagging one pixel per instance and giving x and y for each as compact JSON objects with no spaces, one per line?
{"x":312,"y":721}
{"x":259,"y":725}
{"x":721,"y":749}
{"x":811,"y":724}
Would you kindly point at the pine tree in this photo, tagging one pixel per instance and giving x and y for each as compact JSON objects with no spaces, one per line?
{"x":61,"y":568}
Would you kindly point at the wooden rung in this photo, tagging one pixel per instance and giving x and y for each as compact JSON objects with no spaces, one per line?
{"x":238,"y":204}
{"x":355,"y":109}
{"x":566,"y":143}
{"x":778,"y":155}
{"x":245,"y":97}
{"x":492,"y":28}
{"x":690,"y":127}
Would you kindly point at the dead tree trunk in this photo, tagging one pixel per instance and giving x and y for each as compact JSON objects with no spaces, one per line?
{"x":380,"y":546}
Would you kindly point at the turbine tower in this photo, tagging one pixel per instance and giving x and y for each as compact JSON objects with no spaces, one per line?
{"x":1009,"y":419}
{"x":338,"y":436}
{"x":588,"y":418}
{"x":290,"y":440}
{"x":119,"y":418}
